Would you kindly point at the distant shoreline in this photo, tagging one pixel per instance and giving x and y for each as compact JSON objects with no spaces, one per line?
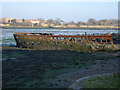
{"x":12,"y":27}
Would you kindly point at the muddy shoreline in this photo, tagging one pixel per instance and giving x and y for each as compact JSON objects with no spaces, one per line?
{"x":23,"y":68}
{"x":86,"y":28}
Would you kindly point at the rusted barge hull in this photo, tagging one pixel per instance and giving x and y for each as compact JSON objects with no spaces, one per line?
{"x":50,"y":41}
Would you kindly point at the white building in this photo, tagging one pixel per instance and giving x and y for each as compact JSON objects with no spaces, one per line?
{"x":35,"y":21}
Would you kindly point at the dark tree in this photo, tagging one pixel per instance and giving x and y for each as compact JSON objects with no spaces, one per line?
{"x":13,"y":20}
{"x":92,"y":21}
{"x":23,"y":20}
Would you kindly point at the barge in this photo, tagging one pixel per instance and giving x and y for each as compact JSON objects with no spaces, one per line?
{"x":46,"y":41}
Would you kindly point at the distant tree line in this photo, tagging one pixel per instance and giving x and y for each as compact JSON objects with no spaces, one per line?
{"x":90,"y":21}
{"x":58,"y":21}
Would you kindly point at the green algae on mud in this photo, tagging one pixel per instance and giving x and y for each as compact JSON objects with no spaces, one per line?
{"x":35,"y":68}
{"x":112,"y":81}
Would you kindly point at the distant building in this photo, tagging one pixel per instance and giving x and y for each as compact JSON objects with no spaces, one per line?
{"x":45,"y":25}
{"x":43,"y":21}
{"x":8,"y":20}
{"x":5,"y":20}
{"x":35,"y":21}
{"x":28,"y":20}
{"x":38,"y":21}
{"x":19,"y":20}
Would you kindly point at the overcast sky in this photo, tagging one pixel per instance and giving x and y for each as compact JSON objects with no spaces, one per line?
{"x":68,"y":11}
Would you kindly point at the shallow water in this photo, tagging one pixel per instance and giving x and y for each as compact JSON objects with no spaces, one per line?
{"x":7,"y":34}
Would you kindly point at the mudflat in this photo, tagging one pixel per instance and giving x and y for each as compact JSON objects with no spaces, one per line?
{"x":28,"y":68}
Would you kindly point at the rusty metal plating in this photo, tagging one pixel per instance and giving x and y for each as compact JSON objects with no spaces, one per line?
{"x":49,"y":40}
